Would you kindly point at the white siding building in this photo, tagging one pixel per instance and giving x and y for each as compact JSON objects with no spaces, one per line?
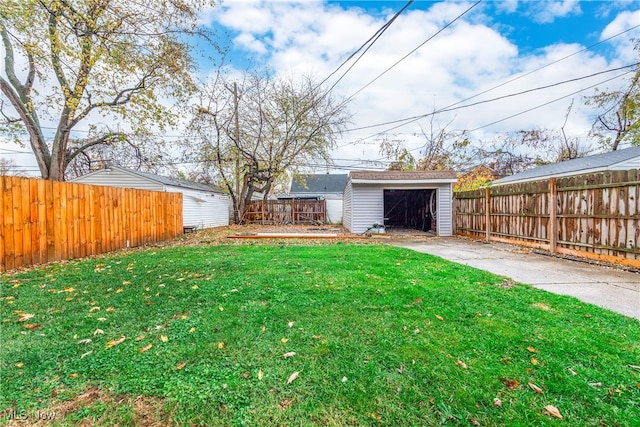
{"x":202,"y":205}
{"x":420,"y":200}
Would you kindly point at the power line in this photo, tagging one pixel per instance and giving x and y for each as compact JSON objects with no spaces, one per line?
{"x":451,"y":106}
{"x":503,"y":83}
{"x":529,"y":109}
{"x":410,"y":53}
{"x":372,"y":40}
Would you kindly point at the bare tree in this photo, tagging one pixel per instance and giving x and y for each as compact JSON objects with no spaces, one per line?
{"x":619,"y":119}
{"x":8,"y":167}
{"x":254,"y":133}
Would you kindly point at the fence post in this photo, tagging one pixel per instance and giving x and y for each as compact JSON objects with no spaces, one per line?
{"x":553,"y":221}
{"x":487,"y":212}
{"x":293,"y":211}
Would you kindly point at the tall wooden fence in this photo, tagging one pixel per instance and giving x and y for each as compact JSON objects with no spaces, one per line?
{"x":43,"y":221}
{"x":594,"y":215}
{"x":289,"y":211}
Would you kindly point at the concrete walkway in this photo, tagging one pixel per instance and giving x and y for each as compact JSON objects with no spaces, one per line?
{"x":614,"y":289}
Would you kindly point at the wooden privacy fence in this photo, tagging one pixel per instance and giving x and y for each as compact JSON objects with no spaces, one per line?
{"x":594,"y":215}
{"x":289,"y":211}
{"x":43,"y":221}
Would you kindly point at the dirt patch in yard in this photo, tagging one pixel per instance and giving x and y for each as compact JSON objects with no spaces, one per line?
{"x":224,"y":235}
{"x":143,"y":411}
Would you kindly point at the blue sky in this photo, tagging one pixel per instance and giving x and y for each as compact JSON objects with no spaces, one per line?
{"x":505,"y":47}
{"x":497,"y":49}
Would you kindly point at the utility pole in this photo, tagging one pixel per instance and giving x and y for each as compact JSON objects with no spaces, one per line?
{"x":237,"y":136}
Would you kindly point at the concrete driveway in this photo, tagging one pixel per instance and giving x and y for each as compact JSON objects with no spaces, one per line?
{"x":607,"y":287}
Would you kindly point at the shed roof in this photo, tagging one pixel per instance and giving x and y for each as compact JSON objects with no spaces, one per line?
{"x":318,"y":183}
{"x":168,"y":181}
{"x":628,"y":157}
{"x":403,"y":175}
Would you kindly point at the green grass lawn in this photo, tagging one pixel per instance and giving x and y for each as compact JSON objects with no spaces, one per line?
{"x":381,"y":335}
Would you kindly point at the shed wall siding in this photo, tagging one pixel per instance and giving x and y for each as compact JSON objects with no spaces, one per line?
{"x":346,"y":206}
{"x":367,"y":207}
{"x":118,"y":178}
{"x":201,"y":209}
{"x":445,"y":210}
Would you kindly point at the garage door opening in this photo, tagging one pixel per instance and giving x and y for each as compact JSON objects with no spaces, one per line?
{"x":410,"y":210}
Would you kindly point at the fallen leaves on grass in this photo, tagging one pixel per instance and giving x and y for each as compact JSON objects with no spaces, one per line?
{"x":634,"y":367}
{"x":439,"y":317}
{"x":461,"y":364}
{"x":180,"y":366}
{"x":535,"y":388}
{"x":534,"y":361}
{"x":114,"y":343}
{"x":164,"y":338}
{"x":220,"y":345}
{"x":289,"y":354}
{"x":285,"y":403}
{"x":293,"y":377}
{"x":19,"y":365}
{"x":85,"y":341}
{"x":284,"y":340}
{"x":260,"y":374}
{"x":497,"y":402}
{"x":145,"y":348}
{"x":86,"y":354}
{"x":552,"y":411}
{"x":532,"y":349}
{"x":32,"y":326}
{"x":510,"y":384}
{"x":290,"y":324}
{"x":23,"y":317}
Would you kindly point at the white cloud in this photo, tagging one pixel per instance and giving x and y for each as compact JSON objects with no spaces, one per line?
{"x":624,"y":47}
{"x":548,"y":11}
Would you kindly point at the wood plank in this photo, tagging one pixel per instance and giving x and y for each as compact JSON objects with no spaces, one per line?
{"x":74,"y":220}
{"x":8,"y":259}
{"x":18,"y":222}
{"x":27,"y":226}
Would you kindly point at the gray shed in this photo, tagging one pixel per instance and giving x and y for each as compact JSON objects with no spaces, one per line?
{"x":419,"y":200}
{"x":626,"y":159}
{"x":202,"y":205}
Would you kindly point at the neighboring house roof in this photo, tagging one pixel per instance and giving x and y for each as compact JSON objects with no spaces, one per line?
{"x":400,"y":176}
{"x":167,"y":181}
{"x":318,"y":184}
{"x":628,"y":158}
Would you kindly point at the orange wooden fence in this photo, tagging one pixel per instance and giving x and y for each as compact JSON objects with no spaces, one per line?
{"x":43,"y":221}
{"x":594,"y":215}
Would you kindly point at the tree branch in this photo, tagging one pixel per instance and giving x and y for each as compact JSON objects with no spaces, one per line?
{"x":103,"y":139}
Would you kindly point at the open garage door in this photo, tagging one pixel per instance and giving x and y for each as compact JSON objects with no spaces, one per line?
{"x":410,"y":209}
